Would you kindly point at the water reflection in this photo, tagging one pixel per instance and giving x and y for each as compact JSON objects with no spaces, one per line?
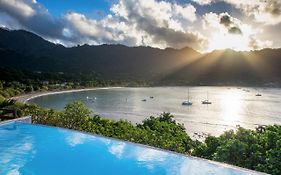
{"x":75,"y":139}
{"x":15,"y":151}
{"x":41,"y":150}
{"x":231,"y":106}
{"x":157,"y":161}
{"x":117,"y":149}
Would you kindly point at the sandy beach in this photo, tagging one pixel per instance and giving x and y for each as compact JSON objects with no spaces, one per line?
{"x":26,"y":97}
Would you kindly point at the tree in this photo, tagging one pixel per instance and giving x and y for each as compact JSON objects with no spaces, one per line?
{"x":75,"y":115}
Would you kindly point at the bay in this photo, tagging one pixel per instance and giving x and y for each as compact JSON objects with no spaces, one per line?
{"x":231,"y":106}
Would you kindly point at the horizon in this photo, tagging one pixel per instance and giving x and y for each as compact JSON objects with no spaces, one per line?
{"x":203,"y":25}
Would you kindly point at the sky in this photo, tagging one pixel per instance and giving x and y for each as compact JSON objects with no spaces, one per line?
{"x":204,"y":25}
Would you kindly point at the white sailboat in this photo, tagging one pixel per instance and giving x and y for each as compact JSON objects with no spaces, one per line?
{"x":187,"y":102}
{"x":206,"y":102}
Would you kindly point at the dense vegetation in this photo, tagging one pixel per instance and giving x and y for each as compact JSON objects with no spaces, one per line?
{"x":23,"y":50}
{"x":258,"y":149}
{"x":15,"y":82}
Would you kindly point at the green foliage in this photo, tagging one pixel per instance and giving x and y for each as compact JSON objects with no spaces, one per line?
{"x":167,"y":133}
{"x":6,"y":103}
{"x":17,"y":82}
{"x":206,"y":150}
{"x":29,"y":89}
{"x":162,"y":132}
{"x":2,"y":98}
{"x":74,"y":116}
{"x":258,"y":149}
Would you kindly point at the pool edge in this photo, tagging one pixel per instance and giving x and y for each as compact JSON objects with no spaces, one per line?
{"x":154,"y":148}
{"x":25,"y":119}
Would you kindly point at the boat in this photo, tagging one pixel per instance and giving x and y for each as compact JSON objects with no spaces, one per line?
{"x":187,"y":102}
{"x":143,"y":100}
{"x":151,"y":97}
{"x":206,"y":102}
{"x":91,"y":99}
{"x":258,"y":95}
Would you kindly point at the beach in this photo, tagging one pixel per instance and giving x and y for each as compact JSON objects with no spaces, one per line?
{"x":26,"y":97}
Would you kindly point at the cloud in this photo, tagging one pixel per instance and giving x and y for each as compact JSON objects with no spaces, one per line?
{"x":161,"y":24}
{"x":225,"y":20}
{"x":137,"y":22}
{"x":229,"y":32}
{"x":23,"y":7}
{"x":32,"y":16}
{"x":264,"y":11}
{"x":155,"y":23}
{"x":273,"y":7}
{"x":108,"y":30}
{"x":235,"y":30}
{"x":255,"y":44}
{"x":131,"y":22}
{"x":7,"y":21}
{"x":229,"y":23}
{"x":203,"y":2}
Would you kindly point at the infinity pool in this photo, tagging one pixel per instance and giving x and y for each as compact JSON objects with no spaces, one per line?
{"x":29,"y":149}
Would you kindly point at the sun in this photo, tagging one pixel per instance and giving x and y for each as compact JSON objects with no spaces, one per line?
{"x":223,"y":39}
{"x":229,"y":41}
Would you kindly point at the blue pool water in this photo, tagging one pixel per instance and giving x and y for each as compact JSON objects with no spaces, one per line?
{"x":29,"y":149}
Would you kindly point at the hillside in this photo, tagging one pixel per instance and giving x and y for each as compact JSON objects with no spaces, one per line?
{"x":26,"y":51}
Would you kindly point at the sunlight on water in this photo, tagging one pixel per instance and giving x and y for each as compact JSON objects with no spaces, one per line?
{"x":231,"y":105}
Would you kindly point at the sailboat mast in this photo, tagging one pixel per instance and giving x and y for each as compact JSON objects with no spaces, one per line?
{"x":188,"y":94}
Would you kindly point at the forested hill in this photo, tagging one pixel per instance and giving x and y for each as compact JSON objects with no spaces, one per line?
{"x":26,"y":51}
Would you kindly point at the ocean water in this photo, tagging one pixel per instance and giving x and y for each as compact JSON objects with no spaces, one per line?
{"x":231,"y":106}
{"x":28,"y":149}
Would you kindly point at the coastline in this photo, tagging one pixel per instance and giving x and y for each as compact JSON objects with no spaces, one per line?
{"x":26,"y":97}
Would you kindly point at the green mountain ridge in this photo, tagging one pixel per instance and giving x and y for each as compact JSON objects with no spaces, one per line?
{"x":26,"y":51}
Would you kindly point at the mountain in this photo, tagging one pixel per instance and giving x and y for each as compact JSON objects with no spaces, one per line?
{"x":26,"y":51}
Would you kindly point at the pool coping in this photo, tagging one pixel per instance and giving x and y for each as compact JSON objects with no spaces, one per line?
{"x":28,"y":120}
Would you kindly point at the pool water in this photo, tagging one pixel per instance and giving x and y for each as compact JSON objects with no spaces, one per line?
{"x":30,"y":149}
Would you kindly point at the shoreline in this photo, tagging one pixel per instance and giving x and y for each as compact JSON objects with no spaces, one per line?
{"x":27,"y":97}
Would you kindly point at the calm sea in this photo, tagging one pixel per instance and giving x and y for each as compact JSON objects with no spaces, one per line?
{"x":231,"y":106}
